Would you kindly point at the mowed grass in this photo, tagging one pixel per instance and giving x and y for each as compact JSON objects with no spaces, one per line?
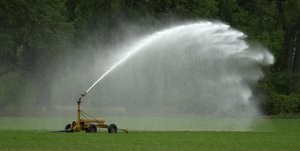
{"x":285,"y":136}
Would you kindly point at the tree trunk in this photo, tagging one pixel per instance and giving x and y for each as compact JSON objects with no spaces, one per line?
{"x":295,"y":31}
{"x":296,"y":68}
{"x":291,"y":40}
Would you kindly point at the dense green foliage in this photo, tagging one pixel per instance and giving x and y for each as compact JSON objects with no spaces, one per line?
{"x":37,"y":35}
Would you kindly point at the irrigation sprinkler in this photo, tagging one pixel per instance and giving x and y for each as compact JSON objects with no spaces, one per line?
{"x":86,"y":122}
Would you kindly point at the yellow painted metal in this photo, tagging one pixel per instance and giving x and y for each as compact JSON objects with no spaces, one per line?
{"x":91,"y":120}
{"x":78,"y":127}
{"x":83,"y":124}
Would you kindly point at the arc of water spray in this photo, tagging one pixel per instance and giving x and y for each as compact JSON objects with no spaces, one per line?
{"x":110,"y":69}
{"x":137,"y":47}
{"x":134,"y":49}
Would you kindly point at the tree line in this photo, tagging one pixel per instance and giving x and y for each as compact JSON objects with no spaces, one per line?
{"x":37,"y":35}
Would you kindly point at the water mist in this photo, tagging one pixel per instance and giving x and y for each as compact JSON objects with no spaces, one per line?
{"x":195,"y":76}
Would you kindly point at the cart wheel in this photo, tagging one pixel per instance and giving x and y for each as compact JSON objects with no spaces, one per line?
{"x":73,"y":124}
{"x":91,"y":129}
{"x":112,"y":128}
{"x":68,"y":127}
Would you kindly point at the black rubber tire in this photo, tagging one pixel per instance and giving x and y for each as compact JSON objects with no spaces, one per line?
{"x":112,"y":128}
{"x":73,"y":124}
{"x":91,"y":129}
{"x":68,"y":127}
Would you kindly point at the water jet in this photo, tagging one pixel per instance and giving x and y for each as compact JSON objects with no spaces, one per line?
{"x":203,"y":69}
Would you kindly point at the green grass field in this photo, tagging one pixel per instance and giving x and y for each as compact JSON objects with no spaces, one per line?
{"x":284,"y":136}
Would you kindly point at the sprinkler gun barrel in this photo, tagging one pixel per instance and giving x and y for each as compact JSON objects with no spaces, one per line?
{"x":82,"y":95}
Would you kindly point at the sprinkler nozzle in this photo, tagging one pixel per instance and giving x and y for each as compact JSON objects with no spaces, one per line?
{"x":82,"y":95}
